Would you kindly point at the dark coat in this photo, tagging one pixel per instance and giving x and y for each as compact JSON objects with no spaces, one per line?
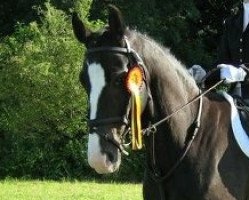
{"x":234,"y":45}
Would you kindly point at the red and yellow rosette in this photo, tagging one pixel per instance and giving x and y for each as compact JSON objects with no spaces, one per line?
{"x":134,"y":81}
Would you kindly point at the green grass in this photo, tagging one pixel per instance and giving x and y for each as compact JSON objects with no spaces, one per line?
{"x":52,"y":190}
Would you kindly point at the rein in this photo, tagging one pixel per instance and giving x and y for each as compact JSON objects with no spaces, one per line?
{"x":155,"y":174}
{"x":153,"y":128}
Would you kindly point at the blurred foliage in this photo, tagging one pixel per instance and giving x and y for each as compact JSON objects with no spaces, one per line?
{"x":42,"y":105}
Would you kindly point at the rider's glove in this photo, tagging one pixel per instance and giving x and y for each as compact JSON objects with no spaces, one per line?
{"x":197,"y":72}
{"x":231,"y":74}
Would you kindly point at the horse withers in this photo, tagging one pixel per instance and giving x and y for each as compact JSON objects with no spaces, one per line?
{"x":183,"y":160}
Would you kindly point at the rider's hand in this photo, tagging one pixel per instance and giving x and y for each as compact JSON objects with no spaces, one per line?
{"x":231,"y":74}
{"x":197,"y":72}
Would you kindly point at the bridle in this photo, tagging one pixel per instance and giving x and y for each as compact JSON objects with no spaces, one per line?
{"x":94,"y":124}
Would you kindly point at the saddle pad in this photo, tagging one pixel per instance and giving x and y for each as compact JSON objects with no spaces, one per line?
{"x":239,"y":133}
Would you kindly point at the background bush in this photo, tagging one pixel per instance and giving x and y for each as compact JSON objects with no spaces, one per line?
{"x":42,"y":110}
{"x":42,"y":105}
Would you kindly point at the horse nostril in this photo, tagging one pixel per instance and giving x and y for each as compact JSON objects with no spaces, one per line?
{"x":110,"y":156}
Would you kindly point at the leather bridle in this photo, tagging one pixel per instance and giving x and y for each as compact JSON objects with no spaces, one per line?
{"x":94,"y":124}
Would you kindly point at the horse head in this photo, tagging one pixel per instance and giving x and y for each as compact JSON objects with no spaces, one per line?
{"x":110,"y":70}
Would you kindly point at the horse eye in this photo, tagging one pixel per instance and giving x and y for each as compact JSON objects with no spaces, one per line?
{"x":119,"y":80}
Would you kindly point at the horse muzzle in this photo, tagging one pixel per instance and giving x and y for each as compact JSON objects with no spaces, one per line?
{"x":102,"y":157}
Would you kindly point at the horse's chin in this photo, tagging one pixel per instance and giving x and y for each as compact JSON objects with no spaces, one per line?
{"x":105,"y":166}
{"x":104,"y":159}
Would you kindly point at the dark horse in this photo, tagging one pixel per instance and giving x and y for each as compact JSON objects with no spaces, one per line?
{"x":213,"y":168}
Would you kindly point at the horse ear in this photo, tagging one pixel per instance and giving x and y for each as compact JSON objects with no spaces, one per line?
{"x":79,"y":29}
{"x":116,"y":23}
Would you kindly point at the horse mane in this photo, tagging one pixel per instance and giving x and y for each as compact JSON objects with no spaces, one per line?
{"x":154,"y":54}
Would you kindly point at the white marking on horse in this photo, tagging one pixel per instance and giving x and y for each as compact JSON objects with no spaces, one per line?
{"x":96,"y":158}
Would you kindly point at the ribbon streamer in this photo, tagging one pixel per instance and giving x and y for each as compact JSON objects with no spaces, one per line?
{"x":136,"y":130}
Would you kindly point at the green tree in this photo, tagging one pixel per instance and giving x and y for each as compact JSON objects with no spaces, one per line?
{"x":191,"y":28}
{"x":42,"y":105}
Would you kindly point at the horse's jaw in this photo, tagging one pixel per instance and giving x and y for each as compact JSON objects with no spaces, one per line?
{"x":102,"y":162}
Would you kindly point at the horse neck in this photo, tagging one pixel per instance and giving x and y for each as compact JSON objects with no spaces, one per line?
{"x":171,"y":87}
{"x":165,"y":71}
{"x":170,"y":83}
